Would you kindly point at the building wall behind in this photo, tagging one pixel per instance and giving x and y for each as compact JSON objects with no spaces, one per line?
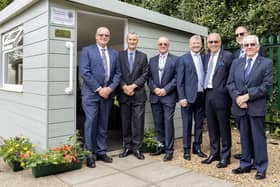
{"x":25,"y":113}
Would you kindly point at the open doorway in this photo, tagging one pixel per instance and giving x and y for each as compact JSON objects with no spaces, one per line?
{"x":87,"y":24}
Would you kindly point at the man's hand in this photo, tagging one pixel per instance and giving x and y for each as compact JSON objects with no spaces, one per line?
{"x":183,"y":103}
{"x":105,"y":92}
{"x":242,"y":99}
{"x":160,"y":92}
{"x":129,"y":89}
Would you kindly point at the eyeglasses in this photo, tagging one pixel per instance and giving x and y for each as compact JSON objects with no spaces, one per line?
{"x":215,"y":41}
{"x":250,"y":44}
{"x":105,"y":35}
{"x":163,"y":44}
{"x":240,"y":34}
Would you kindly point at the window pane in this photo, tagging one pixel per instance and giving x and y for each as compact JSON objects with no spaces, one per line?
{"x":13,"y":61}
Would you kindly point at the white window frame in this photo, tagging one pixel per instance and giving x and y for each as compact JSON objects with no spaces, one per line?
{"x":7,"y":47}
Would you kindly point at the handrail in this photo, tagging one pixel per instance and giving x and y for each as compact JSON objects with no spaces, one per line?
{"x":69,"y":90}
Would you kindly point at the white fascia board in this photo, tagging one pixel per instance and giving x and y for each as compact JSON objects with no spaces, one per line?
{"x":13,"y":9}
{"x":145,"y":15}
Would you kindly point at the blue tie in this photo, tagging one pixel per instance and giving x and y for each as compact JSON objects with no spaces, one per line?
{"x":131,"y":62}
{"x":247,"y":69}
{"x":210,"y":69}
{"x":104,"y":59}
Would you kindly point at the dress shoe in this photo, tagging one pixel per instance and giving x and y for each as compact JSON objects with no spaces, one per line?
{"x":168,"y":157}
{"x":125,"y":153}
{"x":199,"y":153}
{"x":241,"y":170}
{"x":260,"y":175}
{"x":139,"y":155}
{"x":159,"y":151}
{"x":223,"y":163}
{"x":237,"y":156}
{"x":91,"y":163}
{"x":104,"y":158}
{"x":187,"y":156}
{"x":210,"y":159}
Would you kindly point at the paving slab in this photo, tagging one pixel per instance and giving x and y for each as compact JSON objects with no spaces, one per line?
{"x":156,"y":171}
{"x":86,"y":174}
{"x":115,"y":180}
{"x":194,"y":179}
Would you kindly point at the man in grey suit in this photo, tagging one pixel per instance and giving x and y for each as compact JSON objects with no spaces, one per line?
{"x":217,"y":101}
{"x":132,"y":98}
{"x":163,"y":96}
{"x":249,"y":82}
{"x":190,"y":79}
{"x":101,"y":74}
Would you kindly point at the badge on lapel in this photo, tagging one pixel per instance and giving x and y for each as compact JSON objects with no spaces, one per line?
{"x":221,"y":64}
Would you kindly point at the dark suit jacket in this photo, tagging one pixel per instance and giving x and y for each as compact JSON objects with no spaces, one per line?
{"x":257,"y":86}
{"x":168,"y":81}
{"x":187,"y":80}
{"x":93,"y":74}
{"x":236,"y":53}
{"x":138,"y":76}
{"x":220,"y":77}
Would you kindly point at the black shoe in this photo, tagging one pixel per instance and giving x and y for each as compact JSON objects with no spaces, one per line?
{"x":237,"y":156}
{"x":241,"y":170}
{"x":210,"y":159}
{"x":91,"y":163}
{"x":104,"y":158}
{"x":199,"y":153}
{"x":159,"y":151}
{"x":260,"y":175}
{"x":187,"y":156}
{"x":223,"y":163}
{"x":125,"y":153}
{"x":168,"y":157}
{"x":139,"y":155}
{"x":253,"y":167}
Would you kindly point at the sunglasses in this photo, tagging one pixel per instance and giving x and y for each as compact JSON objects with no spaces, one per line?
{"x":162,"y":44}
{"x":250,"y":44}
{"x":240,"y":34}
{"x":105,"y":35}
{"x":215,"y":41}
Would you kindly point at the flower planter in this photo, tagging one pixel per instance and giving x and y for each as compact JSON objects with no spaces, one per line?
{"x":15,"y":165}
{"x":146,"y":149}
{"x":44,"y":170}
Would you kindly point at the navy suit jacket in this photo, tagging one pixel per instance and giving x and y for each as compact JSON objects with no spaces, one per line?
{"x":168,"y":81}
{"x":257,"y":86}
{"x":139,"y":76}
{"x":187,"y":80}
{"x":220,"y":77}
{"x":93,"y":73}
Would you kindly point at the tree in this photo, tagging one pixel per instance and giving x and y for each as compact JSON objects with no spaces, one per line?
{"x":4,"y":3}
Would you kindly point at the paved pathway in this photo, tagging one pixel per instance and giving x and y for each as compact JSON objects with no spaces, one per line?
{"x":125,"y":172}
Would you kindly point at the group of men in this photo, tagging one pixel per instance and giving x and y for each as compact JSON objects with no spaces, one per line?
{"x":205,"y":85}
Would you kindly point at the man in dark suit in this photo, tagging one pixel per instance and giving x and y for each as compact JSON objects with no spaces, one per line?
{"x":101,"y":74}
{"x":240,"y":33}
{"x":249,"y":82}
{"x":190,"y":79}
{"x":163,"y":96}
{"x":132,"y":98}
{"x":217,"y":101}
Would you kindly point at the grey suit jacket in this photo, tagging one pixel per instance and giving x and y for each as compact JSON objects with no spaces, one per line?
{"x":257,"y":86}
{"x":139,"y":76}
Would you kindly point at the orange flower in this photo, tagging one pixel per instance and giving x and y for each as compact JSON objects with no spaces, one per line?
{"x":25,"y":155}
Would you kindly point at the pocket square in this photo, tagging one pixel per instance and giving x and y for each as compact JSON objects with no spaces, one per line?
{"x":221,"y":63}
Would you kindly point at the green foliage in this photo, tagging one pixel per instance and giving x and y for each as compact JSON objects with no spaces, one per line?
{"x":17,"y":149}
{"x":150,"y":141}
{"x":4,"y":3}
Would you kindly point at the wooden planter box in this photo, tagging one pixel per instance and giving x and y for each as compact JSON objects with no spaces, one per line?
{"x":15,"y":166}
{"x":44,"y":170}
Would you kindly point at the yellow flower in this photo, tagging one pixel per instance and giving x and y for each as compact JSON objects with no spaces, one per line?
{"x":25,"y":148}
{"x":33,"y":145}
{"x":11,"y":149}
{"x":22,"y":164}
{"x":17,"y":145}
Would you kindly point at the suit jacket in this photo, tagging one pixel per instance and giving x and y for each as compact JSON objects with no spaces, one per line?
{"x":168,"y":80}
{"x":187,"y":79}
{"x":93,"y":73}
{"x":139,"y":75}
{"x":257,"y":86}
{"x":220,"y":77}
{"x":236,"y":53}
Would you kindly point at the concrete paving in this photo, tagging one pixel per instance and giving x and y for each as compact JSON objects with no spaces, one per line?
{"x":123,"y":172}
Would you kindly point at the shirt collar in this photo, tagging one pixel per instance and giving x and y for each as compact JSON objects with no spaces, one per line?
{"x":163,"y":55}
{"x":253,"y":58}
{"x":195,"y":54}
{"x":99,"y":47}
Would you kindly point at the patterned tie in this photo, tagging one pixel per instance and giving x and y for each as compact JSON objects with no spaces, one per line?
{"x":160,"y":67}
{"x":247,"y":69}
{"x":105,"y":65}
{"x":131,"y":62}
{"x":210,"y":69}
{"x":200,"y":73}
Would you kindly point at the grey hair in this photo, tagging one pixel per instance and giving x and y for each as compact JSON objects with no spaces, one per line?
{"x":255,"y":37}
{"x":132,"y":33}
{"x":196,"y":37}
{"x":100,"y":28}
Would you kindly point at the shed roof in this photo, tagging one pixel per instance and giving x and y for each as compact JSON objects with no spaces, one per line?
{"x":17,"y":6}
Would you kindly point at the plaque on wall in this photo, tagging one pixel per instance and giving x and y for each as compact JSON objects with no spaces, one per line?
{"x":62,"y":16}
